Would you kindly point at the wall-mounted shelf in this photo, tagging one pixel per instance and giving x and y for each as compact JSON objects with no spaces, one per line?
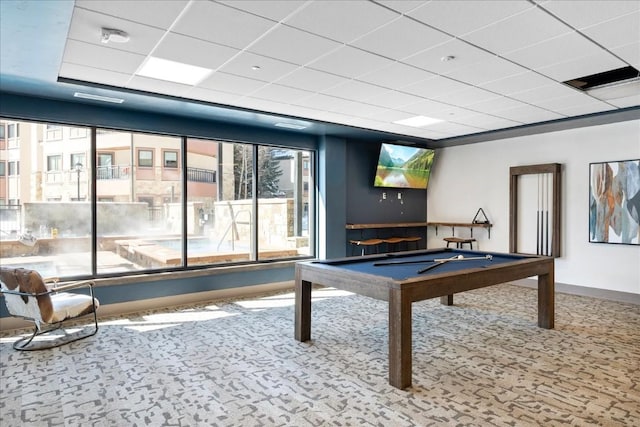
{"x":453,"y":225}
{"x":386,"y":225}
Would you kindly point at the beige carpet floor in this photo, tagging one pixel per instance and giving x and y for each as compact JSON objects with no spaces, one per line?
{"x":482,"y":362}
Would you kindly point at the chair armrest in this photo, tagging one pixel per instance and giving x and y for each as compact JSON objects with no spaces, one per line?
{"x":53,"y":289}
{"x":73,"y":285}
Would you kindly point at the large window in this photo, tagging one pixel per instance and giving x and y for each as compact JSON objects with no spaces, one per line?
{"x":205,"y":202}
{"x":44,"y":226}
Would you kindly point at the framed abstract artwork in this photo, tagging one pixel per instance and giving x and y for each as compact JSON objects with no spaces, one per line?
{"x":614,"y":202}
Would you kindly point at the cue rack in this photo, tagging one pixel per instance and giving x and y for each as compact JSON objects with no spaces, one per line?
{"x":548,"y":203}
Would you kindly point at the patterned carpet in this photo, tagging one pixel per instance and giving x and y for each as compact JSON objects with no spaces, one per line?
{"x":482,"y":362}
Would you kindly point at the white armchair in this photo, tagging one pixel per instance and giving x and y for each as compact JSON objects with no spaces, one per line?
{"x":47,"y":306}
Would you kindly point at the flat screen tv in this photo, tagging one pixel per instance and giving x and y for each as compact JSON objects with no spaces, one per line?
{"x":401,"y":166}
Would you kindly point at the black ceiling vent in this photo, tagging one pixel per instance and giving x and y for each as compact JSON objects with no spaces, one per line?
{"x":614,"y":84}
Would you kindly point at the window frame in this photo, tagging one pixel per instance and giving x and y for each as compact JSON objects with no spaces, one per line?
{"x":144,"y":150}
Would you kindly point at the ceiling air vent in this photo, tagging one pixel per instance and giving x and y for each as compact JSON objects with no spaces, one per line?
{"x":614,"y":84}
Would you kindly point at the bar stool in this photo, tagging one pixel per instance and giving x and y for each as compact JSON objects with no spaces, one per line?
{"x":393,"y":241}
{"x":366,"y":243}
{"x":412,"y":239}
{"x":460,"y":241}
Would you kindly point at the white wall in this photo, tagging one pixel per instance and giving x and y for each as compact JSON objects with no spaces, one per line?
{"x":474,"y":176}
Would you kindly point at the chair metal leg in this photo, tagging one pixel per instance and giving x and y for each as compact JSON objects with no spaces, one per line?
{"x":23,"y":343}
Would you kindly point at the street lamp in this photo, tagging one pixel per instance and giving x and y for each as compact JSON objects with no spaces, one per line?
{"x":78,"y":169}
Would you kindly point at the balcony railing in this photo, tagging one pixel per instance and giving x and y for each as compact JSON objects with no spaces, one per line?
{"x":113,"y":172}
{"x":201,"y":175}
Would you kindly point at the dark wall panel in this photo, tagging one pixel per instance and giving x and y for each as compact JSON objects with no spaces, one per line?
{"x":367,"y":204}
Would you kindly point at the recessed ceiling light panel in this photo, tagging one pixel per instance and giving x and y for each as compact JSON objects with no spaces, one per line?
{"x":418,"y":121}
{"x":172,"y":71}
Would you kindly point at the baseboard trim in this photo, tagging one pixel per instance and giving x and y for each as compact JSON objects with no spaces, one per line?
{"x":110,"y":310}
{"x":585,"y":291}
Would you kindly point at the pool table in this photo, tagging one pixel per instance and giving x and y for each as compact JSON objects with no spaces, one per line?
{"x":394,"y":278}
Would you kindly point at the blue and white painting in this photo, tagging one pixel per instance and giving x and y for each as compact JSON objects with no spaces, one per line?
{"x":614,"y":202}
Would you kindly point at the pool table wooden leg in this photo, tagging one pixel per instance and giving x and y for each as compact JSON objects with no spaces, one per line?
{"x":446,"y":299}
{"x":303,"y":310}
{"x":546,"y":299}
{"x":400,"y":347}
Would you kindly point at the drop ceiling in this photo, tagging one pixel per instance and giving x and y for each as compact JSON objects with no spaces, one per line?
{"x":477,"y":66}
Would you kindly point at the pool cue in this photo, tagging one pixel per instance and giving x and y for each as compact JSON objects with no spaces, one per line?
{"x":546,"y":229}
{"x":376,"y":264}
{"x":471,"y":258}
{"x":538,"y":220}
{"x":438,"y":263}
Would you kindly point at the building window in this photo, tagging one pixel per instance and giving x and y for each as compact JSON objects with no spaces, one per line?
{"x":78,"y":159}
{"x":170,"y":159}
{"x":54,"y":132}
{"x":78,"y":132}
{"x":145,"y":158}
{"x":13,"y":130}
{"x":14,"y":168}
{"x":54,"y":163}
{"x":3,"y":166}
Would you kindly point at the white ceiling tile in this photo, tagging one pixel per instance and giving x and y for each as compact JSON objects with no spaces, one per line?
{"x":337,"y":105}
{"x":403,"y":6}
{"x":311,"y":80}
{"x":86,"y":26}
{"x":616,"y":32}
{"x":517,"y":83}
{"x":463,"y":54}
{"x":400,"y":38}
{"x":164,"y":12}
{"x":349,"y":19}
{"x":433,"y":109}
{"x":485,"y":121}
{"x":461,"y":17}
{"x":302,"y":47}
{"x":396,"y":75}
{"x":278,"y":93}
{"x":230,"y":83}
{"x":630,"y":101}
{"x":355,"y":90}
{"x":276,"y":10}
{"x":101,"y":57}
{"x":220,"y":24}
{"x":454,"y":128}
{"x":584,"y":13}
{"x":491,"y":106}
{"x":85,"y":73}
{"x":557,"y":104}
{"x":542,"y":93}
{"x":591,"y":107}
{"x":486,"y":70}
{"x":208,"y":95}
{"x":435,"y":87}
{"x":270,"y":69}
{"x":553,"y":51}
{"x":393,"y":99}
{"x":390,"y":116}
{"x":465,"y":96}
{"x":188,"y":50}
{"x":529,"y":114}
{"x":349,"y":62}
{"x":630,"y":53}
{"x":580,"y":67}
{"x":524,"y":29}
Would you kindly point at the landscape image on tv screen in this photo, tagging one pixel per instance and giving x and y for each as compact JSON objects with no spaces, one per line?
{"x":400,"y":166}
